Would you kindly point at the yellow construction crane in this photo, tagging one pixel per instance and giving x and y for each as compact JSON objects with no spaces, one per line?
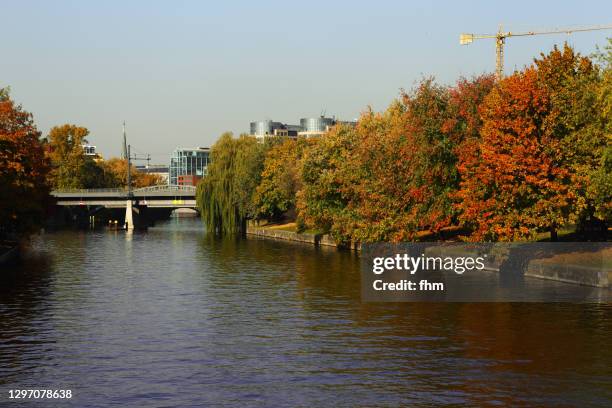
{"x":500,"y":40}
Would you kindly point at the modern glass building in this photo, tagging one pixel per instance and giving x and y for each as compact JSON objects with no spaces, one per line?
{"x":265,"y":127}
{"x":315,"y":126}
{"x":188,"y":164}
{"x":308,"y":127}
{"x":319,"y":124}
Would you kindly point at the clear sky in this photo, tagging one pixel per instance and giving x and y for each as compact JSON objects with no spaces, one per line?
{"x":182,"y":72}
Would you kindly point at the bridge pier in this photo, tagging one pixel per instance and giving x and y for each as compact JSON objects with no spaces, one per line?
{"x":129,"y":216}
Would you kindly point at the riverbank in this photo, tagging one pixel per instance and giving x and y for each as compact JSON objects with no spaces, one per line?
{"x":573,"y":270}
{"x":287,"y":232}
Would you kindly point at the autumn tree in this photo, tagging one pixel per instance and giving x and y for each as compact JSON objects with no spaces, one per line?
{"x":323,"y":201}
{"x":538,"y":141}
{"x":143,"y":179}
{"x":599,"y":192}
{"x":276,"y":193}
{"x":600,"y":187}
{"x":23,"y":171}
{"x":378,"y":200}
{"x":114,"y":174}
{"x":412,"y":169}
{"x":71,"y":168}
{"x":400,"y":175}
{"x":394,"y":176}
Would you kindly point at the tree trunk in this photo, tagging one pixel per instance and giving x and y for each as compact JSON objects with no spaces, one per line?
{"x":553,"y":234}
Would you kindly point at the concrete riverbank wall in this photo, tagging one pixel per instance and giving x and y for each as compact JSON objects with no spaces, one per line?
{"x":314,"y":239}
{"x":577,"y":274}
{"x":561,"y":272}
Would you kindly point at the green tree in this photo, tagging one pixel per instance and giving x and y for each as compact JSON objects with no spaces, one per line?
{"x":225,"y":195}
{"x":599,"y":192}
{"x":600,"y":187}
{"x":323,"y":199}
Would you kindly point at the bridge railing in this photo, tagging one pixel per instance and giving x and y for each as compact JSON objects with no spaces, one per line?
{"x":150,"y":189}
{"x":164,"y":188}
{"x":90,"y":190}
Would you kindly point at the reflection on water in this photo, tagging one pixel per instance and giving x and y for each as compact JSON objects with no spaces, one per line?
{"x":173,"y":317}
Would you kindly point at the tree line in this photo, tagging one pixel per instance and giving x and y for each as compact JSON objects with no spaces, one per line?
{"x":31,"y":166}
{"x":492,"y":160}
{"x":72,"y":168}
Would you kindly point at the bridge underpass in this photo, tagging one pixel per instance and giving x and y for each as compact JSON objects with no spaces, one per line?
{"x":141,"y":208}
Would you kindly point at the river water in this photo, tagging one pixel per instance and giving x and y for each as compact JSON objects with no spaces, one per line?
{"x":173,"y":317}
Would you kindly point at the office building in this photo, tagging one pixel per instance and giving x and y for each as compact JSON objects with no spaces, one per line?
{"x":315,"y":126}
{"x":90,"y":151}
{"x":308,"y":127}
{"x":188,"y":166}
{"x":265,"y":128}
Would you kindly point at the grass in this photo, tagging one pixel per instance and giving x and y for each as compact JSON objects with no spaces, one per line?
{"x":562,"y":234}
{"x":290,"y":226}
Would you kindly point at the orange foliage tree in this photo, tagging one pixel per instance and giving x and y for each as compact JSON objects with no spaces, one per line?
{"x":539,"y":138}
{"x":395,"y":174}
{"x":115,"y":174}
{"x":23,"y":171}
{"x":502,"y":160}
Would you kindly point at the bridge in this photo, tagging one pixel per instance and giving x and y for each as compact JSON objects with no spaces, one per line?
{"x":136,"y":208}
{"x":152,"y":197}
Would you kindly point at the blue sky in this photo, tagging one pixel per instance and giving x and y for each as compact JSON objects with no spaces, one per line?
{"x":182,"y":72}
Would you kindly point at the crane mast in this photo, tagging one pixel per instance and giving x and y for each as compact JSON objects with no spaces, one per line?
{"x":500,"y":41}
{"x":501,"y":35}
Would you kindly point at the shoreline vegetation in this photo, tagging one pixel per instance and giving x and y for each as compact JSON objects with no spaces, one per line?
{"x":31,"y":166}
{"x":483,"y":160}
{"x":524,"y":158}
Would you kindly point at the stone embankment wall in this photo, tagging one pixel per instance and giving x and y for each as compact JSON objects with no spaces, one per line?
{"x":572,"y":272}
{"x":568,"y":273}
{"x":314,"y":239}
{"x":582,"y":275}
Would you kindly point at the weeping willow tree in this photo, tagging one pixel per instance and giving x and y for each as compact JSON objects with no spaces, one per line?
{"x":225,"y":194}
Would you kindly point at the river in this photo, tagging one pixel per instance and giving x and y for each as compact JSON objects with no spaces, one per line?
{"x":173,"y":317}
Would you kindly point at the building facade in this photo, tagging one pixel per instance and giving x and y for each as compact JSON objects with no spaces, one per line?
{"x":315,"y":126}
{"x":308,"y":127}
{"x":90,"y":151}
{"x":188,"y":166}
{"x":266,"y":128}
